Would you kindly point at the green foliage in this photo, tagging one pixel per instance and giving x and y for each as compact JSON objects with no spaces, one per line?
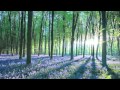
{"x":84,"y":16}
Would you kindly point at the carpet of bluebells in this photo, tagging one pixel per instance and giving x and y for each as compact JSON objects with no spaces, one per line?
{"x":11,"y":67}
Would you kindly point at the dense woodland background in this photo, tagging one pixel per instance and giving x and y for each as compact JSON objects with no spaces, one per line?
{"x":60,"y":33}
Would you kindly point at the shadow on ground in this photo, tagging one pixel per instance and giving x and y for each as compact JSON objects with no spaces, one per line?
{"x":112,"y":73}
{"x":81,"y":71}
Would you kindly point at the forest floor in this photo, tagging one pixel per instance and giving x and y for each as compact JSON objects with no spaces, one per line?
{"x":11,"y":67}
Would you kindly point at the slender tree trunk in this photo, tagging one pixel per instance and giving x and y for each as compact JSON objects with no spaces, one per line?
{"x":104,"y":38}
{"x":93,"y":34}
{"x":81,"y":44}
{"x":21,"y":37}
{"x":49,"y":36}
{"x":77,"y":44}
{"x":118,"y":39}
{"x":93,"y":53}
{"x":24,"y":33}
{"x":16,"y":36}
{"x":118,"y":42}
{"x":15,"y":33}
{"x":75,"y":19}
{"x":85,"y":39}
{"x":63,"y":48}
{"x":59,"y":45}
{"x":45,"y":38}
{"x":98,"y":35}
{"x":33,"y":34}
{"x":18,"y":39}
{"x":9,"y":15}
{"x":7,"y":52}
{"x":51,"y":56}
{"x":29,"y":34}
{"x":35,"y":51}
{"x":40,"y":38}
{"x":113,"y":24}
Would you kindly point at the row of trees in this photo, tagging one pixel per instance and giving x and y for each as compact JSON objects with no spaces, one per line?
{"x":62,"y":33}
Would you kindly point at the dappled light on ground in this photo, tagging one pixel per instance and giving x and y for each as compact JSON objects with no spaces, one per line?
{"x":57,"y":68}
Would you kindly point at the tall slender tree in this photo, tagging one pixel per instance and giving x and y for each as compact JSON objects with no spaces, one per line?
{"x":104,"y":38}
{"x":86,"y":32}
{"x":74,"y":23}
{"x":21,"y":36}
{"x":98,"y":34}
{"x":29,"y":34}
{"x":118,"y":38}
{"x":51,"y":56}
{"x":63,"y":47}
{"x":49,"y":35}
{"x":24,"y":33}
{"x":40,"y":37}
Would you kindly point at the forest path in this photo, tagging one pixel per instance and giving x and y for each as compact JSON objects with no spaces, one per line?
{"x":57,"y":68}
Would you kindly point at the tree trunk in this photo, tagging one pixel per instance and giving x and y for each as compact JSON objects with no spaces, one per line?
{"x":29,"y":33}
{"x":85,"y":37}
{"x":49,"y":36}
{"x":21,"y":37}
{"x":113,"y":26}
{"x":81,"y":45}
{"x":24,"y":32}
{"x":45,"y":38}
{"x":118,"y":42}
{"x":18,"y":39}
{"x":40,"y":38}
{"x":63,"y":48}
{"x":59,"y":44}
{"x":51,"y":56}
{"x":9,"y":15}
{"x":75,"y":19}
{"x":104,"y":38}
{"x":93,"y":34}
{"x":98,"y":35}
{"x":77,"y":44}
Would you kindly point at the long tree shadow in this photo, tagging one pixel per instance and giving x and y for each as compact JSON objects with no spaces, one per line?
{"x":112,"y":73}
{"x":45,"y":75}
{"x":10,"y":68}
{"x":5,"y":70}
{"x":93,"y":71}
{"x":34,"y":58}
{"x":18,"y":68}
{"x":8,"y":61}
{"x":81,"y":70}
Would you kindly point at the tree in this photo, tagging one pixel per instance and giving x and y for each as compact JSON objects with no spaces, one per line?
{"x":118,"y":38}
{"x":74,"y":23}
{"x":86,"y":32}
{"x":45,"y":34}
{"x":98,"y":34}
{"x":18,"y":34}
{"x":93,"y":34}
{"x":10,"y":26}
{"x":63,"y":34}
{"x":49,"y":35}
{"x":29,"y":33}
{"x":104,"y":38}
{"x":24,"y":33}
{"x":51,"y":56}
{"x":41,"y":33}
{"x":21,"y":37}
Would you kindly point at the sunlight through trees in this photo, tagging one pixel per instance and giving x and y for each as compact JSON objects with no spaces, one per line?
{"x":61,"y":33}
